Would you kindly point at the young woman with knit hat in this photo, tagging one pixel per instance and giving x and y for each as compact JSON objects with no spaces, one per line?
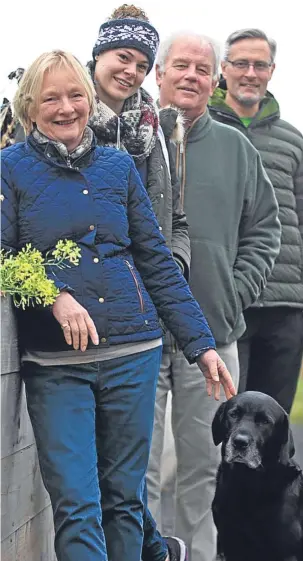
{"x":127,"y":118}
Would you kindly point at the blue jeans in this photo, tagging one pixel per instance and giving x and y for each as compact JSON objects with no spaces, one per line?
{"x":154,"y":547}
{"x":93,"y":426}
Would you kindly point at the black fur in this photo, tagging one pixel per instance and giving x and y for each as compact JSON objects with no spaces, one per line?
{"x":258,"y":504}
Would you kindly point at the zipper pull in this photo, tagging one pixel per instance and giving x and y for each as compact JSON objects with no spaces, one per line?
{"x":68,"y":162}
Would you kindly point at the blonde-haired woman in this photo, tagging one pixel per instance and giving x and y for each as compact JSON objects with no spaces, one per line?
{"x":90,"y":362}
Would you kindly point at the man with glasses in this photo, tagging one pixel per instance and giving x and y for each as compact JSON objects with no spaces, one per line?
{"x":270,"y":351}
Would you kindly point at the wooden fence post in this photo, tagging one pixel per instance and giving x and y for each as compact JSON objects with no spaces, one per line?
{"x":26,"y":515}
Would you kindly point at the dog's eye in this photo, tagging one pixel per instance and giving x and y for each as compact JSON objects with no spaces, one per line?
{"x":233,"y":413}
{"x":261,"y":419}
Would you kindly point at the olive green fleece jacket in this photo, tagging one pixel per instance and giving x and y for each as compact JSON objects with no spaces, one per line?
{"x":281,"y":149}
{"x":233,"y":222}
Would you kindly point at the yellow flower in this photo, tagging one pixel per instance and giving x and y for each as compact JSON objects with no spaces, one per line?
{"x":24,"y":275}
{"x":67,"y":250}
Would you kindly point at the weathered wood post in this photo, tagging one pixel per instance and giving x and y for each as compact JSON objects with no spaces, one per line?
{"x":26,"y":516}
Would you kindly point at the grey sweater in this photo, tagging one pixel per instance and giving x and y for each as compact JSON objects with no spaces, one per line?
{"x":233,"y":221}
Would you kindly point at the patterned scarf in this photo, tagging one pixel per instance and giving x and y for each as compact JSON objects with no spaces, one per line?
{"x":83,"y":147}
{"x":134,"y":130}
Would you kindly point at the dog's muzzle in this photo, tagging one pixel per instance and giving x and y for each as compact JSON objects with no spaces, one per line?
{"x":241,"y":448}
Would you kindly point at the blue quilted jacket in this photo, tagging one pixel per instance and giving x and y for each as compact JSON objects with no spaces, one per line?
{"x":126,"y":273}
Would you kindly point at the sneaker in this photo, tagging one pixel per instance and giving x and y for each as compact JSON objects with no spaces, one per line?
{"x":177,"y":549}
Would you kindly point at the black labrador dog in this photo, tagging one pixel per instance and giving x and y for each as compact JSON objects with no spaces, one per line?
{"x":258,"y":504}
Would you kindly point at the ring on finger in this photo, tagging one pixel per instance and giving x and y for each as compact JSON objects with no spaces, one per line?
{"x":65,"y":326}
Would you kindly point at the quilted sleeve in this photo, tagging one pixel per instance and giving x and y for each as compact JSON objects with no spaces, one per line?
{"x":9,"y":211}
{"x":298,"y":183}
{"x":162,"y":277}
{"x":10,"y":220}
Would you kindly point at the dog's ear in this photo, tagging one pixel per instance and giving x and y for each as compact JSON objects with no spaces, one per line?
{"x":287,"y":450}
{"x":291,"y":444}
{"x":218,"y":424}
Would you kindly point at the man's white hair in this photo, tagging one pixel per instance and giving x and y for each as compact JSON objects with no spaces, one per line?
{"x":166,"y":45}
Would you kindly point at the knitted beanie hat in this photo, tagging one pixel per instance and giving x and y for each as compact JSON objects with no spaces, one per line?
{"x":128,"y":32}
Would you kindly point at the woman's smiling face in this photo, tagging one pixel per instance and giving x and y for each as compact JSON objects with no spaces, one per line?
{"x":62,"y":110}
{"x":119,"y":73}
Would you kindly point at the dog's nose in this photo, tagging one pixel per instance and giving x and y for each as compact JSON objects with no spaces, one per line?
{"x":241,"y":441}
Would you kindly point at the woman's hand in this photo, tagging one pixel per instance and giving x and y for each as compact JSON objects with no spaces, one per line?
{"x":75,"y":321}
{"x":216,"y":373}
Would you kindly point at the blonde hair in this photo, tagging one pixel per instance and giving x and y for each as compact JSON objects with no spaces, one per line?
{"x":30,"y":86}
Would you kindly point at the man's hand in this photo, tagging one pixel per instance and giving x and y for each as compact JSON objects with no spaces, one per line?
{"x":75,"y":321}
{"x":216,"y":373}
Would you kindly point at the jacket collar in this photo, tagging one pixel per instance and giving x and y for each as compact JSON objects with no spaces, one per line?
{"x":172,"y":121}
{"x":199,"y":128}
{"x":269,"y":108}
{"x":56,"y":155}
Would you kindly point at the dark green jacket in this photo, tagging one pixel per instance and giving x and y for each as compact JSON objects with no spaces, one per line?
{"x":281,"y":148}
{"x":233,"y":222}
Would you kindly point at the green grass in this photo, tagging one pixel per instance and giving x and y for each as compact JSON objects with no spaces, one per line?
{"x":296,"y":415}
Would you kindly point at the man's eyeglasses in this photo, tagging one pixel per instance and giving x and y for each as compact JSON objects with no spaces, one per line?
{"x":258,"y":65}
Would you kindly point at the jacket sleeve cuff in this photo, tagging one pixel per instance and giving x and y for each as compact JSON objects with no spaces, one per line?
{"x":180,"y":264}
{"x":244,"y":294}
{"x":193,"y":350}
{"x":66,"y":288}
{"x":183,"y":262}
{"x":62,"y":286}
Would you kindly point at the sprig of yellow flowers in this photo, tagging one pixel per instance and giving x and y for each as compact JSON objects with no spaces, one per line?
{"x":24,"y":275}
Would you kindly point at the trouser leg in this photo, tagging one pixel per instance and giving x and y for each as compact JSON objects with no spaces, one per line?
{"x":276,"y":354}
{"x":154,"y":546}
{"x":125,"y":411}
{"x":155,"y":458}
{"x":252,"y":321}
{"x":61,"y":406}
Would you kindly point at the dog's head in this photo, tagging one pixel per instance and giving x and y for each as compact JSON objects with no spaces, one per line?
{"x":254,"y":430}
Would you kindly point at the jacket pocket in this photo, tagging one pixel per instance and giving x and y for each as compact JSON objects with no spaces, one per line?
{"x":137,"y":285}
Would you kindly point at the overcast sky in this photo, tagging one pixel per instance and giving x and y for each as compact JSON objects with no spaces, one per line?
{"x":30,"y":27}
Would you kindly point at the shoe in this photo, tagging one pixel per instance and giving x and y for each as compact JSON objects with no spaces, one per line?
{"x":177,"y":549}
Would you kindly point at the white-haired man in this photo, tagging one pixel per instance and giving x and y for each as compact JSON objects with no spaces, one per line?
{"x":270,"y":351}
{"x":235,"y":237}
